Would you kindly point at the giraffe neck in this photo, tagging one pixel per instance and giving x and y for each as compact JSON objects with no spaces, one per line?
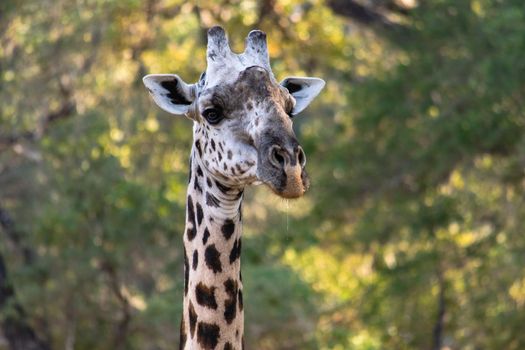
{"x":213,"y":315}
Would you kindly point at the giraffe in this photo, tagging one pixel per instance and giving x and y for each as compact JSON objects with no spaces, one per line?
{"x":242,"y":135}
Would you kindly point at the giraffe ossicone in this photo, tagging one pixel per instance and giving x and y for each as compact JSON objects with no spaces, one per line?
{"x":242,"y":135}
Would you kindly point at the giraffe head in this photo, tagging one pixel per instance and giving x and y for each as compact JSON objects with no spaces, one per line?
{"x":242,"y":116}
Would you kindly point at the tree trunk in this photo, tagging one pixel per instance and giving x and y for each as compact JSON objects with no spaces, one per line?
{"x":19,"y":334}
{"x":437,"y":333}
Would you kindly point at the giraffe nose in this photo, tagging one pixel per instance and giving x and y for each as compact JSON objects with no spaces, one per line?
{"x":282,"y":158}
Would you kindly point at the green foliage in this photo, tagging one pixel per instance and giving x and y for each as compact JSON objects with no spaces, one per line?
{"x":416,"y":152}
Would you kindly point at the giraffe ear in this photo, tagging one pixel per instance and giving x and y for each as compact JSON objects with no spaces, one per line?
{"x":304,"y":90}
{"x":170,"y":92}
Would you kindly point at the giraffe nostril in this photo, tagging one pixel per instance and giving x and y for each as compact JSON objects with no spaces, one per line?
{"x":301,"y":157}
{"x":277,"y":157}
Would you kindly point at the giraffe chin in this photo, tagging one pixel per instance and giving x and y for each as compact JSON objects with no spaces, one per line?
{"x":291,"y":192}
{"x":293,"y":183}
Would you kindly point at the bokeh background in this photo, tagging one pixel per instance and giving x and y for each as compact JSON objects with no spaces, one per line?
{"x":412,"y":236}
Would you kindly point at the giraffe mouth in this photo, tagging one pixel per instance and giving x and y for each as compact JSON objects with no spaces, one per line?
{"x":288,"y":194}
{"x":291,"y":182}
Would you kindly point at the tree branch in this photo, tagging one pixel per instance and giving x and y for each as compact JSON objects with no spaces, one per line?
{"x":119,"y":340}
{"x":68,"y":106}
{"x":66,"y":110}
{"x":19,"y":334}
{"x":437,"y":332}
{"x":365,"y":15}
{"x":15,"y":237}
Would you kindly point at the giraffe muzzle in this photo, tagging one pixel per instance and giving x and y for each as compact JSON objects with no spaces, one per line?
{"x":289,"y":179}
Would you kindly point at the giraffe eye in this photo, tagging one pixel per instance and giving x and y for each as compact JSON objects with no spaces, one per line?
{"x":213,"y":115}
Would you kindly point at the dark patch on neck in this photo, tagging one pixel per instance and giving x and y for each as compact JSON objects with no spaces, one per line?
{"x":205,"y":236}
{"x":212,"y":144}
{"x":195,"y":262}
{"x":183,"y":336}
{"x":230,"y":286}
{"x":224,"y":189}
{"x":200,"y":214}
{"x":175,"y":96}
{"x":241,"y":302}
{"x":198,"y":146}
{"x":191,"y":232}
{"x":186,"y":272}
{"x":193,"y":319}
{"x":211,"y":200}
{"x":208,"y":335}
{"x":239,"y":195}
{"x":230,"y":304}
{"x":212,"y":258}
{"x":199,"y":171}
{"x":197,"y":185}
{"x":206,"y":296}
{"x":228,"y":228}
{"x":228,"y":346}
{"x":189,"y":173}
{"x":235,"y":253}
